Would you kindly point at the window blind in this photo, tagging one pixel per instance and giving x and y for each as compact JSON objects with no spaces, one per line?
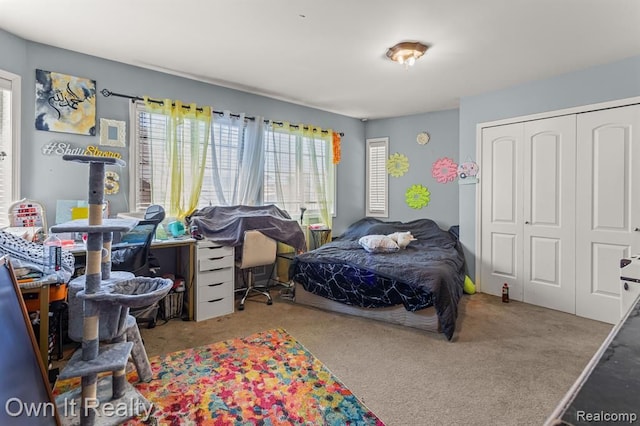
{"x":377,"y":177}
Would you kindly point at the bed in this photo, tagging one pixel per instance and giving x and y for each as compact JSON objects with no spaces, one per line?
{"x":419,"y":286}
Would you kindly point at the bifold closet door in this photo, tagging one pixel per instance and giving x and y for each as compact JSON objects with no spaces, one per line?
{"x":528,"y":211}
{"x":608,"y":207}
{"x":549,"y":212}
{"x":501,"y":214}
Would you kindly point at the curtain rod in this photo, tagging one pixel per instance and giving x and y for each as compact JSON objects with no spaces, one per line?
{"x":106,"y":93}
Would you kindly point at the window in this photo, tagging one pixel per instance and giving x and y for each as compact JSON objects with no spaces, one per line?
{"x":9,"y":136}
{"x":377,"y":177}
{"x":298,"y":173}
{"x":225,"y":140}
{"x":148,"y":162}
{"x":297,"y":169}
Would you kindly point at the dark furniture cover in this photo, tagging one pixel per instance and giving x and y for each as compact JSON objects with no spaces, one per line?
{"x":225,"y":225}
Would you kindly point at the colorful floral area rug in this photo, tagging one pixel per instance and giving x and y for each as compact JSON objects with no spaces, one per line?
{"x":267,"y":378}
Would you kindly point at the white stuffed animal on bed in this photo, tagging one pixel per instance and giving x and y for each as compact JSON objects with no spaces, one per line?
{"x":402,"y":238}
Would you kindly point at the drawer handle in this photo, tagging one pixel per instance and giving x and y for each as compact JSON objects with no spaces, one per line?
{"x":215,"y":269}
{"x":214,"y":285}
{"x":215,"y":300}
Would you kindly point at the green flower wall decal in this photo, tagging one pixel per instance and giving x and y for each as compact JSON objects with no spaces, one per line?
{"x":417,"y":196}
{"x":397,"y":165}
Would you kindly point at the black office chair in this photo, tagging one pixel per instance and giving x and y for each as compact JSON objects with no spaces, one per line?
{"x":133,"y":252}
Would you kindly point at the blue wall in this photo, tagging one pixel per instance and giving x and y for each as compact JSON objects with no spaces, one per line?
{"x":442,"y":126}
{"x":608,"y":82}
{"x":48,"y":178}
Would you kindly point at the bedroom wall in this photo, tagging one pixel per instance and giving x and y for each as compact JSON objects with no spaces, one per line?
{"x":443,"y":128}
{"x":48,"y":178}
{"x":602,"y":83}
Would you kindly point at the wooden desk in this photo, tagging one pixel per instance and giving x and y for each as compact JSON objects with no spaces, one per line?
{"x":185,"y":267}
{"x":42,"y":288}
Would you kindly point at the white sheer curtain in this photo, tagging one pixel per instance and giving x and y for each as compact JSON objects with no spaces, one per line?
{"x":237,"y":159}
{"x":299,"y":172}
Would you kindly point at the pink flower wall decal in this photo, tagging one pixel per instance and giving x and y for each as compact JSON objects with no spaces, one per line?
{"x":444,"y":170}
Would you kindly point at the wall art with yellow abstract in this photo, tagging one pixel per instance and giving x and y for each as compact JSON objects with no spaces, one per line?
{"x":65,"y":103}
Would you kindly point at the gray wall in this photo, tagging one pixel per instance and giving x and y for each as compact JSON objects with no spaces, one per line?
{"x":443,"y":128}
{"x":48,"y":178}
{"x":607,"y":82}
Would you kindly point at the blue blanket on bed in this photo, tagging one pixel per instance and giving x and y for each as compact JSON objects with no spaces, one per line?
{"x":429,"y":272}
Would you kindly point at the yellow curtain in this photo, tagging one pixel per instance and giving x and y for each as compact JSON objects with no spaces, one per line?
{"x":187,"y":139}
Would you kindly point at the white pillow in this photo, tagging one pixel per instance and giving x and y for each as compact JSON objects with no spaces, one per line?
{"x":378,"y":244}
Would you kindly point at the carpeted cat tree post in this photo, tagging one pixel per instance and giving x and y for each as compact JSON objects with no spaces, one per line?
{"x":103,"y":302}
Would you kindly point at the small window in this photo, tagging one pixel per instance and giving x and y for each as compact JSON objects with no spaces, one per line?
{"x":377,"y":177}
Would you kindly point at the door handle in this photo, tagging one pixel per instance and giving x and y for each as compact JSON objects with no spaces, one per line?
{"x":526,"y":222}
{"x":637,"y":229}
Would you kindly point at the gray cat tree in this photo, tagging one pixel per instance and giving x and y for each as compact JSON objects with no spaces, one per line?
{"x":99,"y":303}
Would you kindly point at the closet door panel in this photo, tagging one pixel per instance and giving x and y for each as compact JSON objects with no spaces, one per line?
{"x":608,"y":207}
{"x":549,"y":212}
{"x":501,"y":182}
{"x":611,"y":172}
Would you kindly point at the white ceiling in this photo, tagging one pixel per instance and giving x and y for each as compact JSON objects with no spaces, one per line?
{"x":330,"y":54}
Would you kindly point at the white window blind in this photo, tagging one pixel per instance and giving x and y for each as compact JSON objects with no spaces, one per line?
{"x":377,"y":177}
{"x":149,"y":162}
{"x":9,"y":134}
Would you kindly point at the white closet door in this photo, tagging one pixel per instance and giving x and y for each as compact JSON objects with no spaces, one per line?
{"x":549,"y":212}
{"x":608,"y":207}
{"x":501,"y":180}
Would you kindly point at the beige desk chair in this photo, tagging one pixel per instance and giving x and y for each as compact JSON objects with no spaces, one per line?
{"x":257,"y":250}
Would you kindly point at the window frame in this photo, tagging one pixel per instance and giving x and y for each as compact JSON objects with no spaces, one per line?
{"x":15,"y":82}
{"x":381,"y":169}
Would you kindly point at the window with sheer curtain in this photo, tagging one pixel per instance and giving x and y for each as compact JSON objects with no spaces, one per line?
{"x":149,"y":162}
{"x":9,"y":134}
{"x":292,"y":174}
{"x":299,"y":173}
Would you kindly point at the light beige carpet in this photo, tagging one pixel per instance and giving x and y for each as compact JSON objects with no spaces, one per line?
{"x":509,"y":364}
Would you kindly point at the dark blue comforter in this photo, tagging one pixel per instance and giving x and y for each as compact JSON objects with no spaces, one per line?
{"x":429,"y":272}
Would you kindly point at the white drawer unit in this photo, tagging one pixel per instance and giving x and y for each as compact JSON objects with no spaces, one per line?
{"x":630,"y":281}
{"x":214,"y":288}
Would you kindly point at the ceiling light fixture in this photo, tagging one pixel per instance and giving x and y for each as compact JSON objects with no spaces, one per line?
{"x":406,"y":52}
